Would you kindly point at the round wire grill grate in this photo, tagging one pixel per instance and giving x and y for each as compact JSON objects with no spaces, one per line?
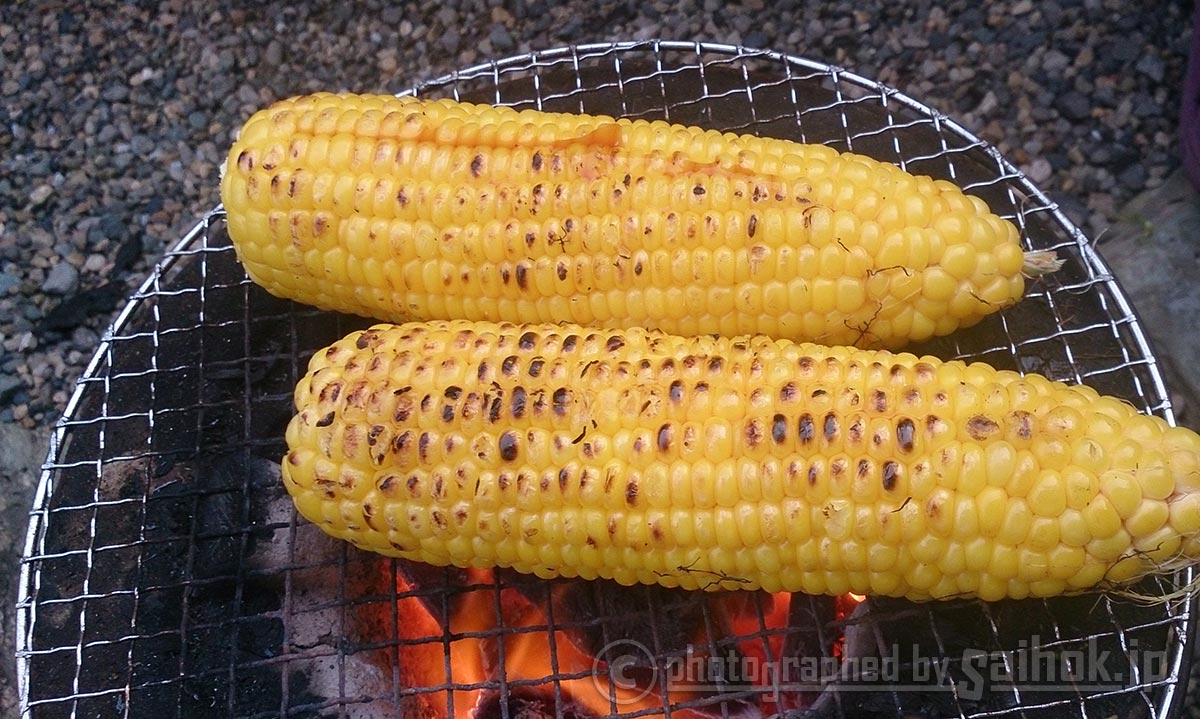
{"x":166,"y":574}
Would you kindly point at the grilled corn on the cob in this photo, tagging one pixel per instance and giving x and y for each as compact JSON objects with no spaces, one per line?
{"x":733,"y":463}
{"x":405,"y":209}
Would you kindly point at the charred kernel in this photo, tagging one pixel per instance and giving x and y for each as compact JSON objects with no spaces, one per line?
{"x":330,"y":392}
{"x":423,"y":443}
{"x":562,"y":400}
{"x":508,"y":366}
{"x":879,"y":401}
{"x":614,"y":343}
{"x":631,"y":492}
{"x":326,"y":420}
{"x":414,"y":486}
{"x":518,"y":402}
{"x":561,"y":269}
{"x":522,"y":276}
{"x":1024,"y":424}
{"x":788,"y":392}
{"x":864,"y":468}
{"x":527,"y":341}
{"x":754,"y":432}
{"x":508,"y":446}
{"x":779,"y":428}
{"x":536,"y":161}
{"x":904,"y":435}
{"x":698,"y":190}
{"x":805,"y":428}
{"x":535,"y":366}
{"x":981,"y":427}
{"x":477,"y":165}
{"x":447,"y":413}
{"x":665,"y":435}
{"x":813,"y":474}
{"x":855,"y":432}
{"x":401,"y":441}
{"x":676,"y":391}
{"x":890,"y":472}
{"x":831,"y":427}
{"x":563,"y":476}
{"x":752,"y":225}
{"x":494,"y":409}
{"x":715,"y":364}
{"x":453,"y":392}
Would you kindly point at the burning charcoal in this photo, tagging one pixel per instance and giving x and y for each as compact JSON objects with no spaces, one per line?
{"x":529,"y":703}
{"x":599,"y":614}
{"x":810,"y":636}
{"x":809,"y":620}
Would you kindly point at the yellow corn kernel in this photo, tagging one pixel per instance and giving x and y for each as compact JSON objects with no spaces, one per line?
{"x":594,"y":209}
{"x":714,"y":463}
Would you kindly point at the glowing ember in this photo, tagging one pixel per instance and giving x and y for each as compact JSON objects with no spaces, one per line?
{"x":478,"y":649}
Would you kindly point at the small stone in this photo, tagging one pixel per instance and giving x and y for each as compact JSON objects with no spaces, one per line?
{"x":1152,"y":67}
{"x":1054,"y":62}
{"x":84,"y":338}
{"x":1074,"y":106}
{"x":8,"y":387}
{"x":755,"y":38}
{"x":40,"y":194}
{"x":63,"y":279}
{"x":141,"y":145}
{"x":8,"y":281}
{"x":95,"y":263}
{"x":1086,"y":56}
{"x":501,"y":39}
{"x":392,"y":14}
{"x":273,"y":55}
{"x":1133,"y":177}
{"x":1039,"y":171}
{"x":118,"y":92}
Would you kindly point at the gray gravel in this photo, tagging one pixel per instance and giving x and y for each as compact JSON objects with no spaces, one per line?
{"x":114,"y":118}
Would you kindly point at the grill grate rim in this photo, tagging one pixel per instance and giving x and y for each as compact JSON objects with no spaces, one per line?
{"x":188,"y":299}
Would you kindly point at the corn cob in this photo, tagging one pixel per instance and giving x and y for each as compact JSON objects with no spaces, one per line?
{"x":718,"y":463}
{"x":403,"y":209}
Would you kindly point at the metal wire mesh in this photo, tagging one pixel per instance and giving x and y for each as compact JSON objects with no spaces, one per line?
{"x":166,"y":573}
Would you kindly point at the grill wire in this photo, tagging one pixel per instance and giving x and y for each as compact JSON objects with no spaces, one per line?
{"x":165,"y":573}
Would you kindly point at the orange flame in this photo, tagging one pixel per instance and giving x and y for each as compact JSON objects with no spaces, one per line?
{"x":447,"y":670}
